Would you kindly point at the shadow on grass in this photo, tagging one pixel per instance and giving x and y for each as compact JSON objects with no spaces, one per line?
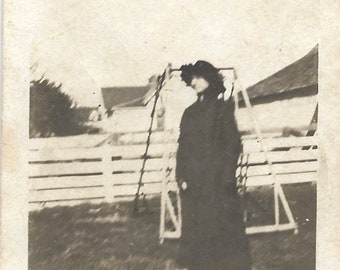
{"x":107,"y":236}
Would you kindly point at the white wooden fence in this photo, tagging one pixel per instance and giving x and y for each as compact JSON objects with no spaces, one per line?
{"x":68,"y":176}
{"x":294,"y":159}
{"x":74,"y":175}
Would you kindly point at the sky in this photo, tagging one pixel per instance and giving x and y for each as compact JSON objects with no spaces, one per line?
{"x":86,"y":45}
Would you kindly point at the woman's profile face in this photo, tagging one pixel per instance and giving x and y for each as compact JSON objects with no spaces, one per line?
{"x":199,"y":84}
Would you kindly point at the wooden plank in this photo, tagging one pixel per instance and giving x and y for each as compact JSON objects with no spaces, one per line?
{"x":133,"y":178}
{"x":248,"y":136}
{"x":129,"y":190}
{"x":77,"y":141}
{"x":133,"y":151}
{"x":251,"y":146}
{"x":89,"y":180}
{"x":55,"y":169}
{"x":270,"y":228}
{"x":65,"y":154}
{"x":65,"y":194}
{"x":283,"y":168}
{"x":277,"y":131}
{"x":136,"y":165}
{"x":172,"y":235}
{"x":140,"y":138}
{"x":281,"y":156}
{"x":36,"y":206}
{"x":124,"y":151}
{"x":293,"y":178}
{"x":66,"y":182}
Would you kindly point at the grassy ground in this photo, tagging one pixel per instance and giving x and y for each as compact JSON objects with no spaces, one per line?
{"x":107,"y":236}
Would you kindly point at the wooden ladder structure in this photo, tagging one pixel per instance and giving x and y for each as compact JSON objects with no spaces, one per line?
{"x":278,"y":191}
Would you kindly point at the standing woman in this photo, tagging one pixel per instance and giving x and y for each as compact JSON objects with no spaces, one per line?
{"x":213,"y":233}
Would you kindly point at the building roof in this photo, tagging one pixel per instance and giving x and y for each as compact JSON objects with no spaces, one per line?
{"x":301,"y":76}
{"x":125,"y":96}
{"x":129,"y":96}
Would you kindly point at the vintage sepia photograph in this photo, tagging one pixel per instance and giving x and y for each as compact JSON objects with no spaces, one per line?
{"x":175,"y":135}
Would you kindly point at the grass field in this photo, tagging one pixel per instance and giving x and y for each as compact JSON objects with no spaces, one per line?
{"x":107,"y":236}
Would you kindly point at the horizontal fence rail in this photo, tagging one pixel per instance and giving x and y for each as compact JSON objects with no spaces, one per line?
{"x":108,"y":172}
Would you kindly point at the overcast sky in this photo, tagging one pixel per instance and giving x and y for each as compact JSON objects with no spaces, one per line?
{"x":91,"y":44}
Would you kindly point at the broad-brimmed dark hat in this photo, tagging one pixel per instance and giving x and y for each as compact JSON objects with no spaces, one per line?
{"x":207,"y":71}
{"x":200,"y":68}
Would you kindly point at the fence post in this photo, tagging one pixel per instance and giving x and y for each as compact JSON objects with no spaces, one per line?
{"x":107,"y":173}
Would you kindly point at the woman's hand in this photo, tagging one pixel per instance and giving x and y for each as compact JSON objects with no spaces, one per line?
{"x":184,"y":185}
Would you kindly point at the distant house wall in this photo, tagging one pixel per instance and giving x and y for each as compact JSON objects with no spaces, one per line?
{"x":176,"y":97}
{"x":132,"y":119}
{"x":294,"y":112}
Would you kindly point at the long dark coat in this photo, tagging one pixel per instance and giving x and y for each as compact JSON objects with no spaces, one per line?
{"x":213,"y":235}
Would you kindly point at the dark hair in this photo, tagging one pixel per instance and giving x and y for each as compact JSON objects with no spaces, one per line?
{"x":207,"y":71}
